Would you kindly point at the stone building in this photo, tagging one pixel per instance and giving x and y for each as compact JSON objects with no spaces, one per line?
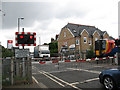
{"x":79,"y":37}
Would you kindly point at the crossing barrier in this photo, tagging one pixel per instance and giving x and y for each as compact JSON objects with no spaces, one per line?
{"x":66,"y":59}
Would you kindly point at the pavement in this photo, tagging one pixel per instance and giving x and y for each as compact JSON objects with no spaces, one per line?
{"x":21,"y":86}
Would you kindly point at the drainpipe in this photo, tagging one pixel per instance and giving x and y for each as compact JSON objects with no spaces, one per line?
{"x":75,"y":48}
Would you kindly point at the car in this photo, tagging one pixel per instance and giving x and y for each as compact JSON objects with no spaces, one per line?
{"x":110,"y":78}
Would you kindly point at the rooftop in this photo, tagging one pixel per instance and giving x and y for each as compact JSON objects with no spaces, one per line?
{"x":76,"y":29}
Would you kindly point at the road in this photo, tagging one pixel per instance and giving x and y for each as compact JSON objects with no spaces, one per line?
{"x":75,"y":75}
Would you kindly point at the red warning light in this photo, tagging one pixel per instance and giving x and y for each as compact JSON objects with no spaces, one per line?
{"x":21,"y":36}
{"x":31,"y":37}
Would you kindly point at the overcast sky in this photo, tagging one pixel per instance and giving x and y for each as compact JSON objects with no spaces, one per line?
{"x":47,"y":17}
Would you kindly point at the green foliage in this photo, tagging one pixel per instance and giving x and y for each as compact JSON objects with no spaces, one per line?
{"x":53,"y":46}
{"x":90,"y":53}
{"x":6,"y":52}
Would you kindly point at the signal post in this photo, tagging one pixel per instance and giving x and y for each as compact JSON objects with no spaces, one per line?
{"x":24,"y":39}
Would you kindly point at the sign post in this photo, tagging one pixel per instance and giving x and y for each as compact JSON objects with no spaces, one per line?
{"x":24,"y":39}
{"x":9,"y":44}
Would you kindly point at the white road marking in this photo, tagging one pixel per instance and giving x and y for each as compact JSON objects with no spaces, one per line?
{"x":53,"y":79}
{"x":85,"y":81}
{"x":72,"y":84}
{"x":89,"y":80}
{"x":34,"y":73}
{"x":75,"y":83}
{"x":33,"y":67}
{"x":97,"y":72}
{"x":98,"y":66}
{"x":50,"y":78}
{"x":60,"y":71}
{"x":35,"y":63}
{"x":61,"y":80}
{"x":35,"y":79}
{"x":41,"y":85}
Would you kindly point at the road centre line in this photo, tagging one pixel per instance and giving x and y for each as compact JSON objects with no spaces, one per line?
{"x":60,"y":71}
{"x":50,"y":77}
{"x":91,"y":71}
{"x":53,"y":79}
{"x":85,"y":81}
{"x":62,"y":80}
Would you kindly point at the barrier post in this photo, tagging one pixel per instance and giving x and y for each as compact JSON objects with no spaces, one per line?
{"x":116,"y":59}
{"x":58,"y":65}
{"x":12,"y":71}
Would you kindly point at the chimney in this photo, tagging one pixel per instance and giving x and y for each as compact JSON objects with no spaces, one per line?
{"x":52,"y":39}
{"x":56,"y":38}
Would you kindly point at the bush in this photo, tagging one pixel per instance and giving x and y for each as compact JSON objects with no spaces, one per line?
{"x":90,"y":53}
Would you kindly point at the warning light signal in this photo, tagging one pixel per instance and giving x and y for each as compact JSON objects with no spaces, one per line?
{"x":31,"y":37}
{"x":21,"y":36}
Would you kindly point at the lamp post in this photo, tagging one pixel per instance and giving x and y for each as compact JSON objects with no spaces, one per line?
{"x":19,"y":23}
{"x":2,"y":12}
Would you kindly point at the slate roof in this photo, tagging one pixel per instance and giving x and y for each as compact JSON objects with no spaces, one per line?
{"x":76,"y":29}
{"x":111,"y":38}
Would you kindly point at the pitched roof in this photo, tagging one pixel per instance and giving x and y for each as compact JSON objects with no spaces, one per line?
{"x":111,"y":38}
{"x":76,"y":29}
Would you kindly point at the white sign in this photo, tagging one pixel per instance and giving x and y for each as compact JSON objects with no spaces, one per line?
{"x":9,"y":44}
{"x":72,"y":46}
{"x":20,"y":53}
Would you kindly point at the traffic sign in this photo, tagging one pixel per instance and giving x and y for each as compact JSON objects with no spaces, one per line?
{"x":9,"y":44}
{"x":25,"y":39}
{"x":21,"y":53}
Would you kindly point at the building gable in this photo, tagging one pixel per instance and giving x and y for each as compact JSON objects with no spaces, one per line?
{"x":84,"y":30}
{"x":105,"y":33}
{"x":96,"y":32}
{"x":67,"y":30}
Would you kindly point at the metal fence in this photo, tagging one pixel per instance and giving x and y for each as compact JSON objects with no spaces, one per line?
{"x":6,"y":71}
{"x":16,"y":71}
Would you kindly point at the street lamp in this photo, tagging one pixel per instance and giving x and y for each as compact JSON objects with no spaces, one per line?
{"x":19,"y":23}
{"x":2,"y":12}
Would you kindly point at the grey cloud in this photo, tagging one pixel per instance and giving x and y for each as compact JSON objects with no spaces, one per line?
{"x":43,"y":12}
{"x":70,"y":11}
{"x":30,"y":11}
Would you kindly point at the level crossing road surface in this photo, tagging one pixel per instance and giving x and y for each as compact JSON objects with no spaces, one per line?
{"x":75,"y":75}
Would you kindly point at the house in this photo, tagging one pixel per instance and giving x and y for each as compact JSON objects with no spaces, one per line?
{"x":79,"y":37}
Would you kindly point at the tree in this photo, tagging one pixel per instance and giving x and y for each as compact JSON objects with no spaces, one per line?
{"x":90,"y":53}
{"x":6,"y":52}
{"x":53,"y":46}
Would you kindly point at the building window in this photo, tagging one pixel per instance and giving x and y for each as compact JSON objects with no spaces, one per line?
{"x":90,"y":42}
{"x":65,"y":43}
{"x":96,"y":39}
{"x":77,"y":41}
{"x":85,"y":39}
{"x":64,"y":34}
